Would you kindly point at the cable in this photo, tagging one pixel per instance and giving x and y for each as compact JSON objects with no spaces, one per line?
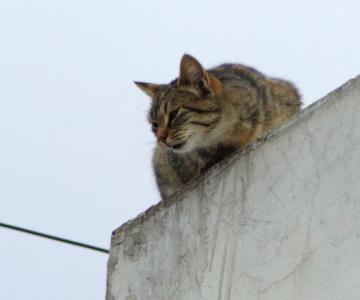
{"x":54,"y":238}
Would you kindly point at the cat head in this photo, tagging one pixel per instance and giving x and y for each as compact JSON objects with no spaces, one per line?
{"x":185,"y":112}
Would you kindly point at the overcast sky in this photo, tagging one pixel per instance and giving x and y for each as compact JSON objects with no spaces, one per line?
{"x":75,"y":148}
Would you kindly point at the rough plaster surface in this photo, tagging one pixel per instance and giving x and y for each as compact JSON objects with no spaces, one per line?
{"x":277,"y":222}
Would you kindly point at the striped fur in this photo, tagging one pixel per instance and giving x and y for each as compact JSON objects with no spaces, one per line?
{"x":204,"y":115}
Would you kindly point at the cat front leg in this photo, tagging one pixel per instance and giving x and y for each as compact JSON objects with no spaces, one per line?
{"x":172,"y":170}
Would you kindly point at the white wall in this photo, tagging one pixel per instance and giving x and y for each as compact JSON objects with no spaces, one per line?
{"x":281,"y":221}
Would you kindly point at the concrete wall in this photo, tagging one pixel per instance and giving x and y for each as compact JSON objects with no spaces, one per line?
{"x":280,"y":221}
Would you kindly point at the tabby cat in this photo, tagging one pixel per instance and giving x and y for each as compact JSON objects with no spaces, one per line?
{"x":204,"y":115}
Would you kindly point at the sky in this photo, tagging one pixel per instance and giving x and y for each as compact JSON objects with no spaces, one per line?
{"x":75,"y":147}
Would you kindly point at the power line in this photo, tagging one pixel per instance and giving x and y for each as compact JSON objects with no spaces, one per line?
{"x":54,"y":238}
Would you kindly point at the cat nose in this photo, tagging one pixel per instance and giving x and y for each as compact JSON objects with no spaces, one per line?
{"x":162,"y":135}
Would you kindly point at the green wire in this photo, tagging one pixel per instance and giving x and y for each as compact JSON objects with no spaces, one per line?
{"x":55,"y":238}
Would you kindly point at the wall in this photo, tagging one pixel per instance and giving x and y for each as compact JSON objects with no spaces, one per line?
{"x":280,"y":220}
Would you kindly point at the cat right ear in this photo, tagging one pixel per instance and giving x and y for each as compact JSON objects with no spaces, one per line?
{"x":192,"y":72}
{"x":149,"y":89}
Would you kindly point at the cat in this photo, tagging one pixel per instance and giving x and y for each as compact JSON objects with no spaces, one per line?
{"x":204,"y":115}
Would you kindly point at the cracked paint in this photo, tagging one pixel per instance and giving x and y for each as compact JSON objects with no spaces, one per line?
{"x":277,"y":222}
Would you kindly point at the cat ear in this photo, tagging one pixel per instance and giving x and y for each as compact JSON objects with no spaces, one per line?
{"x":150,"y":89}
{"x":192,"y":73}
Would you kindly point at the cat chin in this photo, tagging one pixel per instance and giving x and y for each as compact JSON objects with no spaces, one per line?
{"x":194,"y":142}
{"x":188,"y":146}
{"x":181,"y":150}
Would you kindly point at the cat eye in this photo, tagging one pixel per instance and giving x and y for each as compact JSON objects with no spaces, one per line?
{"x":154,"y":125}
{"x":173,"y":115}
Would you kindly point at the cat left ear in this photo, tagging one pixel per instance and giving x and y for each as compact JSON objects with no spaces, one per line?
{"x":150,"y":89}
{"x":192,"y":73}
